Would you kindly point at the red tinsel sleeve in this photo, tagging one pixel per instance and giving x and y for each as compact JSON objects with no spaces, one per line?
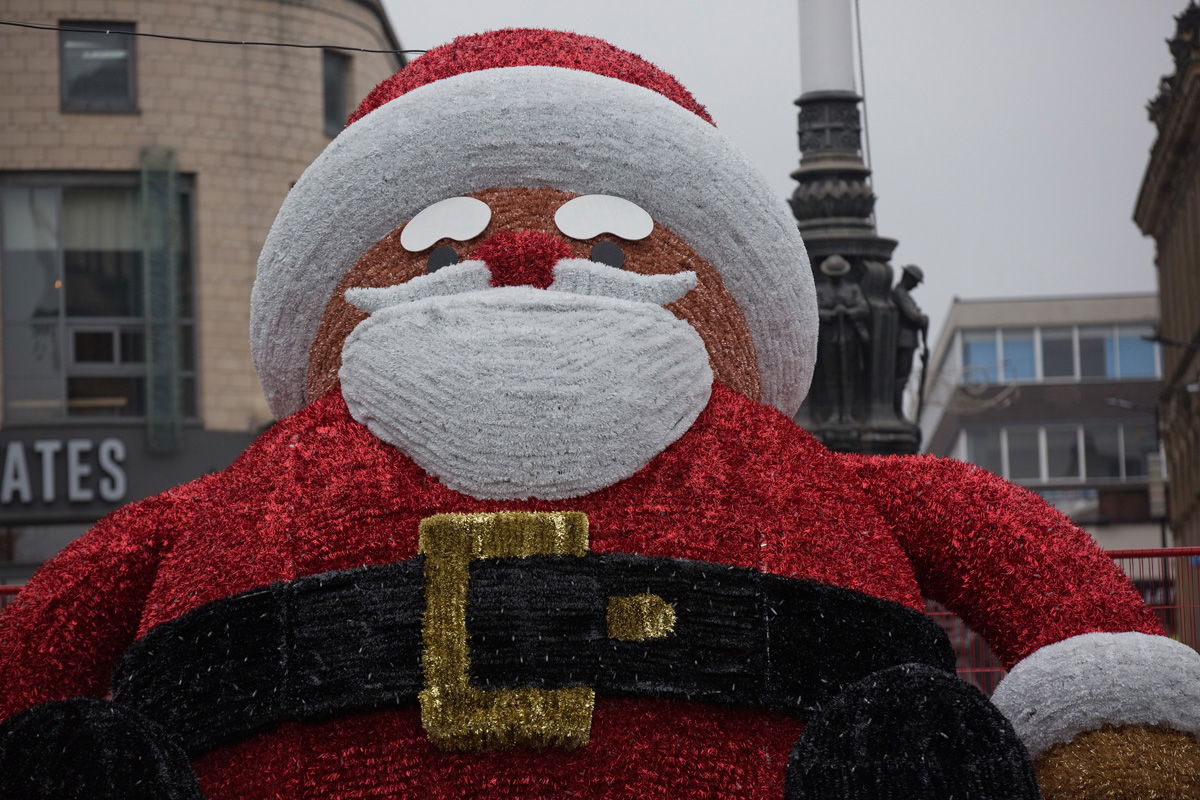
{"x":1016,"y":570}
{"x":60,"y":637}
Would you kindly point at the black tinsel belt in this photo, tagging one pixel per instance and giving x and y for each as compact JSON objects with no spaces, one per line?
{"x":538,"y":629}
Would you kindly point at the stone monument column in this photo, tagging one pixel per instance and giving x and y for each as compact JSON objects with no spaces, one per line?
{"x":852,"y":406}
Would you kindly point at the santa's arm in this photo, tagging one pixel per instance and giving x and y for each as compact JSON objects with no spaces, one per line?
{"x":1084,"y":650}
{"x":58,"y":643}
{"x":61,"y":636}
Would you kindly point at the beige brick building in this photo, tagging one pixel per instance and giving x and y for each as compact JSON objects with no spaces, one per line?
{"x":1168,"y":208}
{"x":138,"y":179}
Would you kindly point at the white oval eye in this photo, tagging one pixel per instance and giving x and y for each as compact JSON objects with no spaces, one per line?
{"x":457,"y":218}
{"x":590,"y":215}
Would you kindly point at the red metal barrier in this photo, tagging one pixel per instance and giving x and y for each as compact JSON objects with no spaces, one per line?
{"x":7,"y":593}
{"x":1168,"y":579}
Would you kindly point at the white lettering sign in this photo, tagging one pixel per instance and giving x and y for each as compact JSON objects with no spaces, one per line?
{"x":15,"y":483}
{"x":89,"y":469}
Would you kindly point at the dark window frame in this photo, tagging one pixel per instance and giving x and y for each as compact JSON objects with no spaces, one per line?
{"x":109,"y":106}
{"x":333,"y":120}
{"x":67,"y":324}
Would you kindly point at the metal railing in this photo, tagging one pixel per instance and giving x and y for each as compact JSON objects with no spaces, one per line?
{"x":1168,"y":579}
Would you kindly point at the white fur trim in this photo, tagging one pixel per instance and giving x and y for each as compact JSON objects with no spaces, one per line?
{"x":534,"y":126}
{"x":519,"y":392}
{"x":1094,"y":679}
{"x":465,"y":276}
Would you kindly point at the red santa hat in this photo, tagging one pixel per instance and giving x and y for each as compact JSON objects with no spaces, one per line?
{"x":533,"y":108}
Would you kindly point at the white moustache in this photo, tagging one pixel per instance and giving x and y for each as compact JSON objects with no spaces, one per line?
{"x":571,"y":275}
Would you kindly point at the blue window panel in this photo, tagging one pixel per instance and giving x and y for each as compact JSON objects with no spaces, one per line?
{"x":1136,"y":355}
{"x":979,"y":357}
{"x":1018,"y":360}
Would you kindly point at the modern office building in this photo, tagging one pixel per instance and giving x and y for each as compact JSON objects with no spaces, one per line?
{"x":138,"y":179}
{"x":1057,"y":394}
{"x":1168,"y":208}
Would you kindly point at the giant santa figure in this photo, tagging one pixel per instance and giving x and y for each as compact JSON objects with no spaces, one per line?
{"x":532,"y":524}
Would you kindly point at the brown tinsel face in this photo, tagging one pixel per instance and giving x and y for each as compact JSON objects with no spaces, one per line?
{"x":1140,"y":762}
{"x":709,"y":307}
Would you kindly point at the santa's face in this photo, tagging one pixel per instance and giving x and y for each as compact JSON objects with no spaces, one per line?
{"x":523,"y":362}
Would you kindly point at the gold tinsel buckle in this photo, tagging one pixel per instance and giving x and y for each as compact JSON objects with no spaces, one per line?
{"x":460,"y":716}
{"x":455,"y":714}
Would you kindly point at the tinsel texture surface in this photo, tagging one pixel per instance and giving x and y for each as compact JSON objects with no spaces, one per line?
{"x":526,"y":47}
{"x":744,"y":487}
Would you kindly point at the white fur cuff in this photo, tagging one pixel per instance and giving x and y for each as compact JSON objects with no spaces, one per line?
{"x":1087,"y":681}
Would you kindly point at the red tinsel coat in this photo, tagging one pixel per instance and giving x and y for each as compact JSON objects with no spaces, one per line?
{"x":744,"y":486}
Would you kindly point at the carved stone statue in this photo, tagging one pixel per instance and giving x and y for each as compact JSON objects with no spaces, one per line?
{"x":912,"y":330}
{"x":843,"y":340}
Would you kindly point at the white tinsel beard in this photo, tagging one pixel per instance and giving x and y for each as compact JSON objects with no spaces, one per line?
{"x":516,"y":392}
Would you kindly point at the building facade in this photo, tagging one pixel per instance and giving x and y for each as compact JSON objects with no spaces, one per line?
{"x":138,"y":179}
{"x":1057,"y":394}
{"x":1168,"y":208}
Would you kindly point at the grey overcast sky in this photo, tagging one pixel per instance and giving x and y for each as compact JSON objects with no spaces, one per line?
{"x":1008,"y":138}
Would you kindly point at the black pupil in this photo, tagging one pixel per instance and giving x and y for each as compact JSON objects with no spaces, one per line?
{"x":608,"y":253}
{"x":442,"y":256}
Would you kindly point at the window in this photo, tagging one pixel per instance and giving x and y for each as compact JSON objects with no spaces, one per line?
{"x":983,"y":448}
{"x":1097,"y":353}
{"x":72,"y":282}
{"x":1024,"y":455}
{"x":1084,"y":352}
{"x":1136,"y":356}
{"x":979,"y":356}
{"x":335,"y":78}
{"x":1017,"y":361}
{"x":97,"y":67}
{"x":1062,"y":453}
{"x":1102,"y":450}
{"x":1058,"y":353}
{"x":1140,"y":443}
{"x":1041,"y":454}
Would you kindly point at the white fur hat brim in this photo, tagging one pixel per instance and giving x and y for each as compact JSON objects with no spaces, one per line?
{"x":535,"y":127}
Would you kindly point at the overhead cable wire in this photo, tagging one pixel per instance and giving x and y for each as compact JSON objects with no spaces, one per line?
{"x":197,"y":39}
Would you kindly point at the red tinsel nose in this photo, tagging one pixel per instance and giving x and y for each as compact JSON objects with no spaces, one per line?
{"x":521,"y":258}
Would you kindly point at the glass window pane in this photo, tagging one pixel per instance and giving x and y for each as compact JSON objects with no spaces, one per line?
{"x":335,"y":71}
{"x":184,"y":238}
{"x":983,"y":449}
{"x":1058,"y":353}
{"x":1062,"y":453}
{"x":979,"y":357}
{"x":1135,"y":354}
{"x":102,"y":254}
{"x":1140,"y":442}
{"x":1024,"y":461}
{"x":1102,"y":451}
{"x":1018,"y":354}
{"x":187,"y":396}
{"x":32,"y":290}
{"x":97,"y":68}
{"x":187,"y":348}
{"x":1097,"y":356}
{"x":133,"y":347}
{"x":106,"y":397}
{"x":92,"y":347}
